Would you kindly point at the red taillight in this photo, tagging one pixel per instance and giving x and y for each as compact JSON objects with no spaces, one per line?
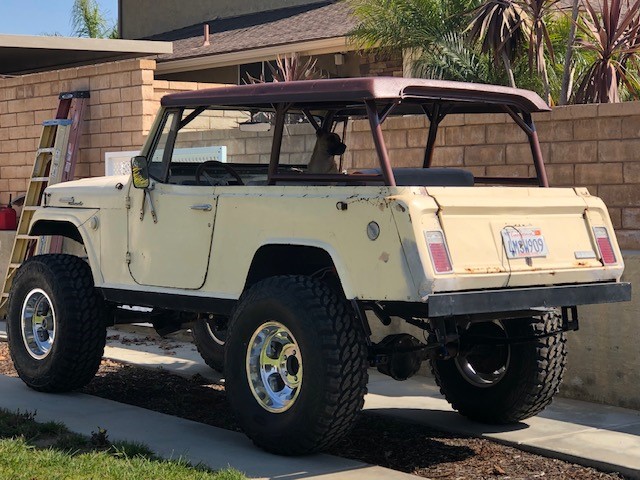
{"x":438,"y":251}
{"x":604,"y":245}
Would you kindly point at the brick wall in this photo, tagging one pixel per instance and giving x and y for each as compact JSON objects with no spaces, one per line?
{"x":124,"y":101}
{"x":583,"y":145}
{"x":250,"y":147}
{"x":597,"y":146}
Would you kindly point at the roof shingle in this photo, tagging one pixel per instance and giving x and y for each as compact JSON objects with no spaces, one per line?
{"x":316,"y":21}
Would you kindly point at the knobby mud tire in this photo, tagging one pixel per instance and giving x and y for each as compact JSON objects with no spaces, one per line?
{"x":334,"y":355}
{"x":533,"y":376}
{"x":211,"y":351}
{"x":80,"y":337}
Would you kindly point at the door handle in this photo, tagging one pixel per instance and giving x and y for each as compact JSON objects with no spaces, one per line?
{"x":205,"y":207}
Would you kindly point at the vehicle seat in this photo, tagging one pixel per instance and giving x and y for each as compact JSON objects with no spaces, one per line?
{"x":427,"y":177}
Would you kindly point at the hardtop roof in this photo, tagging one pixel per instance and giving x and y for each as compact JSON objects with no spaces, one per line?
{"x":462,"y":97}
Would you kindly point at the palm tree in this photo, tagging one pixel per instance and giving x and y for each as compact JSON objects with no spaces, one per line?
{"x":88,"y":21}
{"x":614,"y":40}
{"x":537,"y":12}
{"x":453,"y":59}
{"x":429,"y":30}
{"x":504,"y":25}
{"x":400,"y":24}
{"x":565,"y":92}
{"x":497,"y":25}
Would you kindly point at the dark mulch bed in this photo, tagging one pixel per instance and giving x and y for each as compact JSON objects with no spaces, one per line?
{"x":375,"y":438}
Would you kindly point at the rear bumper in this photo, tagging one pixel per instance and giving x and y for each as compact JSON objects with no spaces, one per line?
{"x":513,"y":299}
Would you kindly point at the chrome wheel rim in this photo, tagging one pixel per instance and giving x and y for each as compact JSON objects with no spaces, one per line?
{"x":274,"y":367}
{"x":38,"y":323}
{"x":486,"y":365}
{"x":216,"y":334}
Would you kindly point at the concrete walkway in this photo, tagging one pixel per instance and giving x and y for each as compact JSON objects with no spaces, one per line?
{"x":585,"y":433}
{"x":173,"y":437}
{"x":589,"y":434}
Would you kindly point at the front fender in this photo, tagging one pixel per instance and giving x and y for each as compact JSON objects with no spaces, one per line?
{"x":62,"y":221}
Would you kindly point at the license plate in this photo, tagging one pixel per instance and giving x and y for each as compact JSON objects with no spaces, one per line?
{"x":524,"y":242}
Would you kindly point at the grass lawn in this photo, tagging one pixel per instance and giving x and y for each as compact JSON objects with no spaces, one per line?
{"x":47,"y":451}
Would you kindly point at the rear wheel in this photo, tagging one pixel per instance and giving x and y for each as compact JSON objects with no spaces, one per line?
{"x":508,"y":382}
{"x":296,"y":365}
{"x":209,"y":337}
{"x":56,"y":323}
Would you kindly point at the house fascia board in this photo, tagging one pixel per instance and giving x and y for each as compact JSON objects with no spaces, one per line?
{"x":85,"y":44}
{"x":312,"y":47}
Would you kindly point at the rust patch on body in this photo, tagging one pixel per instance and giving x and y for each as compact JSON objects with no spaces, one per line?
{"x":484,"y":270}
{"x":384,"y":256}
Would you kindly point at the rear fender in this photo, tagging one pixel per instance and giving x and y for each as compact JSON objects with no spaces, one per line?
{"x":320,"y":247}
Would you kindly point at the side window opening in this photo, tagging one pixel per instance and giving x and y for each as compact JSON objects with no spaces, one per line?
{"x":216,"y":147}
{"x":156,"y":163}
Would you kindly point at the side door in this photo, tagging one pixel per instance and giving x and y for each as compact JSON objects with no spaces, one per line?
{"x":170,"y":227}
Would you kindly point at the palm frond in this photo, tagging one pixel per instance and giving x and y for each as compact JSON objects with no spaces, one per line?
{"x":451,"y":58}
{"x":498,"y":26}
{"x":613,"y":38}
{"x":88,"y":21}
{"x":406,"y":24}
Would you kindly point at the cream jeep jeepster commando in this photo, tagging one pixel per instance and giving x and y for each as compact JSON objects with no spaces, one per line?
{"x":297,"y":279}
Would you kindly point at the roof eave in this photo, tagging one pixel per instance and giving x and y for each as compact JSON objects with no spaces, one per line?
{"x":205,"y":62}
{"x":24,"y":54}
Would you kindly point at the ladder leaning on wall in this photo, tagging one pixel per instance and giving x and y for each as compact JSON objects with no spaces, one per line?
{"x":55,"y":162}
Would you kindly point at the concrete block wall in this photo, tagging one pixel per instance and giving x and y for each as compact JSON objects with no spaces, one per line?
{"x":595,"y":146}
{"x":250,"y":147}
{"x":115,"y":119}
{"x":590,"y":145}
{"x":124,"y":101}
{"x":604,"y":359}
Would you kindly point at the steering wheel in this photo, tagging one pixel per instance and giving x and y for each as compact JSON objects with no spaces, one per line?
{"x":210,"y":163}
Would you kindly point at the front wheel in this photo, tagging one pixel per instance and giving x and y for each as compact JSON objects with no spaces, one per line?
{"x":56,"y":323}
{"x":209,"y":337}
{"x":510,"y":380}
{"x":296,"y":365}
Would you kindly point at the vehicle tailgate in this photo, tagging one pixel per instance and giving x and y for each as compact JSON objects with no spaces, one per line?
{"x":524,"y":236}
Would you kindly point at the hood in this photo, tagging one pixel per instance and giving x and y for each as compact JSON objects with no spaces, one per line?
{"x":98,"y":192}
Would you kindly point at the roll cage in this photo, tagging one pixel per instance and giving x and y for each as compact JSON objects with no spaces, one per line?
{"x":338,"y":100}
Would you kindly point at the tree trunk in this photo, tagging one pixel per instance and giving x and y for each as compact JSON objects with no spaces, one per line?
{"x":545,"y":79}
{"x":565,"y":93}
{"x":507,"y":66}
{"x":541,"y":64}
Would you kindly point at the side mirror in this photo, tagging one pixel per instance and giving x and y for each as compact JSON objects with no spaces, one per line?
{"x":140,"y":172}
